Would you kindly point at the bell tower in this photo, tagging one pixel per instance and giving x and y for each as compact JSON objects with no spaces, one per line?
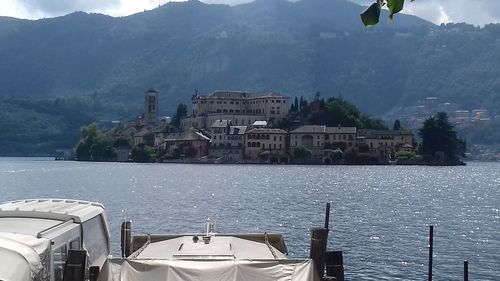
{"x":151,"y":106}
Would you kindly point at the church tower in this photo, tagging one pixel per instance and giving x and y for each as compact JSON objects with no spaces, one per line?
{"x":151,"y":106}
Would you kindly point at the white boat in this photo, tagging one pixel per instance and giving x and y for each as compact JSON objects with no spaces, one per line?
{"x":209,"y":257}
{"x":36,"y":235}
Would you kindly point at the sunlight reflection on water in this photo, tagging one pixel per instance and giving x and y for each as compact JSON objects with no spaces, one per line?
{"x":380,"y":215}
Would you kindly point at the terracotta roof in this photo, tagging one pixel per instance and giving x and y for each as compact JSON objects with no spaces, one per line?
{"x":238,"y":130}
{"x":266,"y":131}
{"x":341,"y":130}
{"x":241,"y":95}
{"x":310,"y":129}
{"x":375,"y":133}
{"x":221,"y":123}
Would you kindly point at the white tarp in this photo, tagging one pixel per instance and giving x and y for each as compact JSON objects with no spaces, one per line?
{"x":22,"y":257}
{"x":231,"y":270}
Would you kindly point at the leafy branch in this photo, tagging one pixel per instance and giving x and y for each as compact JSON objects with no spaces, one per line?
{"x":371,"y":15}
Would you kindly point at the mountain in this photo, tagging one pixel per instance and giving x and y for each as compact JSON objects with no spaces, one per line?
{"x":297,"y":48}
{"x":65,"y":72}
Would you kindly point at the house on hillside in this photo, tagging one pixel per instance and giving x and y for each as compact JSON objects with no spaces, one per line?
{"x":266,"y":145}
{"x":192,"y":144}
{"x":383,"y":144}
{"x":242,"y":108}
{"x":227,"y":141}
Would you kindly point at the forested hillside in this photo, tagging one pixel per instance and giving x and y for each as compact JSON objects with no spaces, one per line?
{"x":296,"y":48}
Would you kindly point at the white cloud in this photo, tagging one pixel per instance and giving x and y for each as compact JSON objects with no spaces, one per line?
{"x":477,"y":12}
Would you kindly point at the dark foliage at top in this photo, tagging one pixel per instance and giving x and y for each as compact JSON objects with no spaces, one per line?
{"x":438,"y":136}
{"x":333,"y":112}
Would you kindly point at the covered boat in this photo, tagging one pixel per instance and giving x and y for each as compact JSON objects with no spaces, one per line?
{"x":36,"y":236}
{"x":209,"y":258}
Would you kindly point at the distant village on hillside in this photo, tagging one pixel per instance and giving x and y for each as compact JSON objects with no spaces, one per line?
{"x":241,"y":127}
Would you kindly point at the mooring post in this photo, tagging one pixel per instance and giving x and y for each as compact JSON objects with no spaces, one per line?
{"x":126,"y":238}
{"x":431,"y":242}
{"x":327,"y":216}
{"x":334,"y":265}
{"x":319,"y":239}
{"x":466,"y":270}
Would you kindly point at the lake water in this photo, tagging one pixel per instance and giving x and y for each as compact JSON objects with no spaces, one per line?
{"x":380,"y":215}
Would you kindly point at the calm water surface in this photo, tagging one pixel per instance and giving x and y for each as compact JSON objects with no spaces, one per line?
{"x":380,"y":215}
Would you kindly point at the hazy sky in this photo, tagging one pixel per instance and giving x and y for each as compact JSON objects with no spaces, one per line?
{"x":478,"y":12}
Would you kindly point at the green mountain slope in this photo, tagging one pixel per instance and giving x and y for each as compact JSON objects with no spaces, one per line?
{"x":295,"y":48}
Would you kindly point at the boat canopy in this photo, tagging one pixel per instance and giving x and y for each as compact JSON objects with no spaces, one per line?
{"x":208,"y":258}
{"x":227,"y":270}
{"x":23,"y":257}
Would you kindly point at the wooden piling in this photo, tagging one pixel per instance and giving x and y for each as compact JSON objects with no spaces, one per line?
{"x":431,"y":248}
{"x":334,"y":263}
{"x":327,"y":216}
{"x":126,"y":238}
{"x":466,"y":270}
{"x":319,"y":239}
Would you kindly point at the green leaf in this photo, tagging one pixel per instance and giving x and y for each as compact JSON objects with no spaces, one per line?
{"x":395,"y":6}
{"x":371,"y":15}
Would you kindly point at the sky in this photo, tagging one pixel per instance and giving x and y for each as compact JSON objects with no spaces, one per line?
{"x":477,"y":12}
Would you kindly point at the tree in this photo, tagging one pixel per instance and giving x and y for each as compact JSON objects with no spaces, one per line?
{"x":438,"y":136}
{"x":300,"y":152}
{"x":371,"y":15}
{"x":95,"y":145}
{"x":143,"y":154}
{"x":179,"y":114}
{"x":396,"y":126}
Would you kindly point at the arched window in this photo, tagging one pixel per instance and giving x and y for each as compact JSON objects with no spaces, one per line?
{"x":249,"y":144}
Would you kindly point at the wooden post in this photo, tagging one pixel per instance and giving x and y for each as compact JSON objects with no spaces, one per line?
{"x":327,"y":215}
{"x":319,"y":239}
{"x":431,"y":242}
{"x":126,"y":238}
{"x":466,"y":270}
{"x":334,"y":265}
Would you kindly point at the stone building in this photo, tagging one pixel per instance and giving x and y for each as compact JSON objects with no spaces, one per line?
{"x":227,"y":141}
{"x":151,"y":107}
{"x":316,"y":138}
{"x":241,"y":108}
{"x":385,"y":143}
{"x":266,"y":145}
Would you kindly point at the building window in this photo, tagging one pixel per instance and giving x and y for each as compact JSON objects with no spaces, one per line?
{"x":274,"y":146}
{"x":274,"y":138}
{"x":280,"y":145}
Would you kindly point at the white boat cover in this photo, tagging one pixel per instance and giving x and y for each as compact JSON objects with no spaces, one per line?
{"x":188,"y":270}
{"x":22,"y":257}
